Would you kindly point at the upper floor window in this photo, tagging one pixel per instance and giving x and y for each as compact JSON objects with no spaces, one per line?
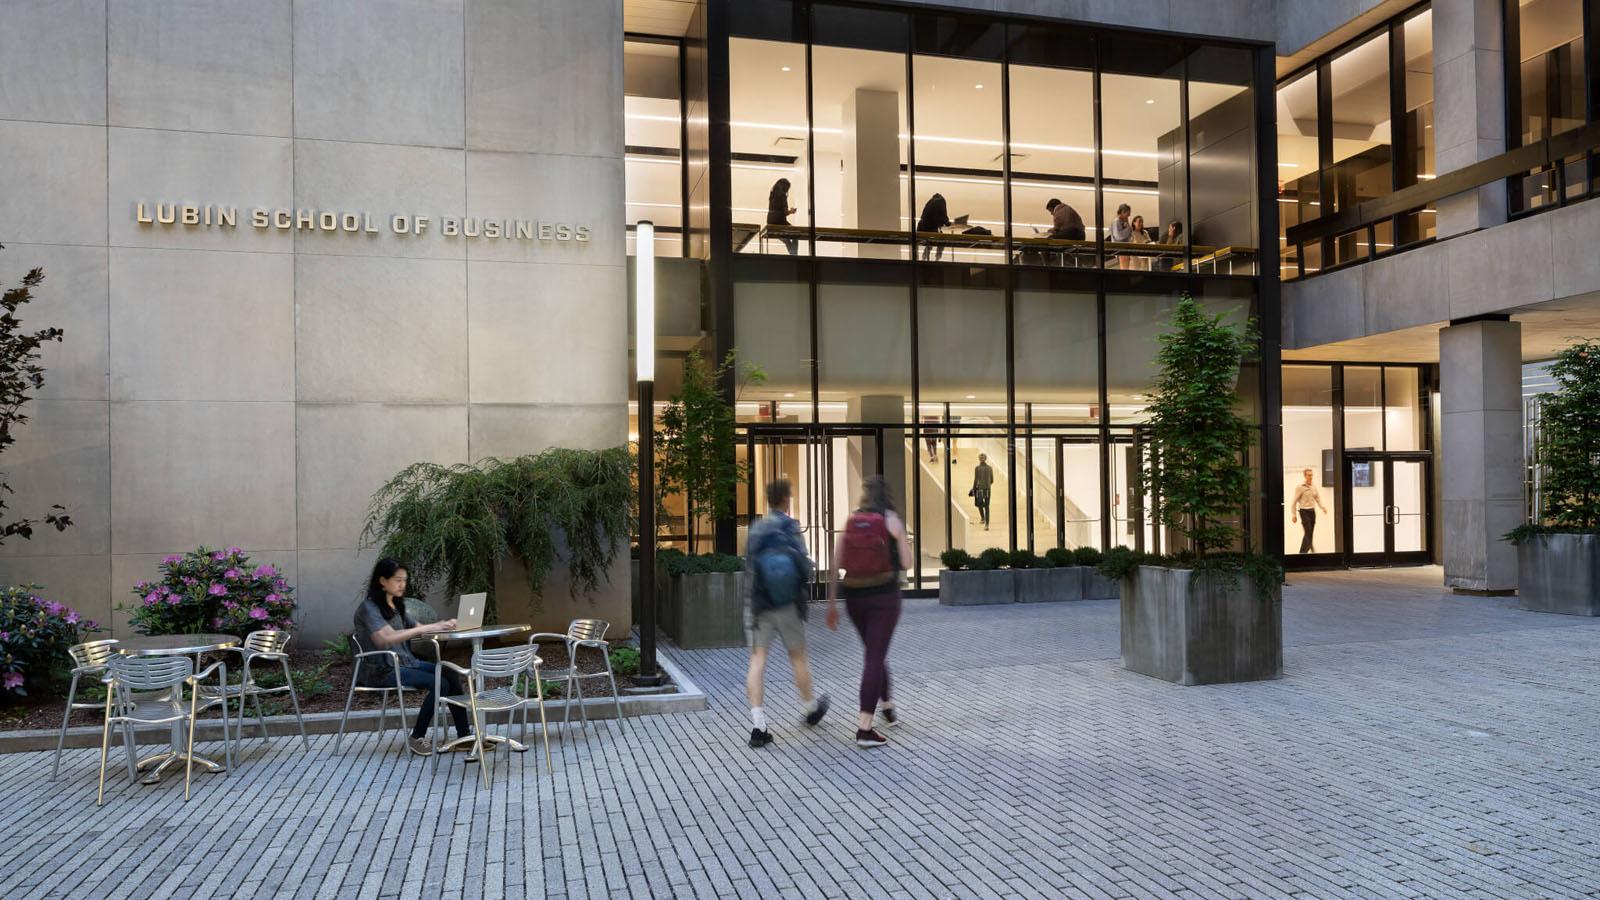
{"x":1546,"y":94}
{"x":653,"y":133}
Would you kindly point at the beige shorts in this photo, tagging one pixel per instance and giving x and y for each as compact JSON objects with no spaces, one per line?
{"x":785,"y":622}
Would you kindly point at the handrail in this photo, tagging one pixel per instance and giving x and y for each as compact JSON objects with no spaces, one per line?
{"x":1543,"y":152}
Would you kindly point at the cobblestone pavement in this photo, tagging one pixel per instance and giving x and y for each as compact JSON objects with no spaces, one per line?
{"x":1420,"y":745}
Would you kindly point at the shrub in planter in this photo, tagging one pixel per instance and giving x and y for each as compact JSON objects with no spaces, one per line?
{"x":993,"y":558}
{"x":1558,"y":559}
{"x":956,"y":559}
{"x":1087,"y":556}
{"x":34,"y":636}
{"x":1059,"y":557}
{"x":981,"y":581}
{"x":1040,"y":580}
{"x":1025,"y":559}
{"x":703,"y":606}
{"x":208,"y":590}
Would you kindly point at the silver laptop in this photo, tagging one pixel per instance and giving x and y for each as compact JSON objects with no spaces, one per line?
{"x":469,"y":614}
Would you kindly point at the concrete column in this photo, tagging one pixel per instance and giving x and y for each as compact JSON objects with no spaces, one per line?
{"x":1469,"y":107}
{"x":1480,"y":459}
{"x":872,"y":166}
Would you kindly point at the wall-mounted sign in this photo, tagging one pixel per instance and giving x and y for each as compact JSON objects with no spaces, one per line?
{"x":212,"y":215}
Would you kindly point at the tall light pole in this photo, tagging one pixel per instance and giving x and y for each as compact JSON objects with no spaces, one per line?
{"x":644,"y":298}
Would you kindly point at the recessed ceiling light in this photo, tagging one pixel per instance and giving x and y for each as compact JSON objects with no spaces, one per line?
{"x":978,"y":86}
{"x":785,"y":68}
{"x":972,"y":396}
{"x":789,"y":395}
{"x":1149,"y":102}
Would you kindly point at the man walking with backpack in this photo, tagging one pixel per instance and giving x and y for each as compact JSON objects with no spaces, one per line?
{"x":778,"y":576}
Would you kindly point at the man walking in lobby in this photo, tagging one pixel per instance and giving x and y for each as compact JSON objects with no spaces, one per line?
{"x":982,"y":483}
{"x":1307,"y":500}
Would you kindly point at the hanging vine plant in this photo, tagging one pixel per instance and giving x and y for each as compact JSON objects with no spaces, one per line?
{"x":454,"y":524}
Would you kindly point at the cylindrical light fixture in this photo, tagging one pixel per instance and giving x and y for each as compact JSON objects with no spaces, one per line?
{"x":645,"y":301}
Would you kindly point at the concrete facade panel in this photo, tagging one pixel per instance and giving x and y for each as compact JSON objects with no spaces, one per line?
{"x":1406,"y":290}
{"x":202,"y":65}
{"x":74,"y":298}
{"x":380,"y":329}
{"x":1326,"y":308}
{"x":517,"y":52}
{"x":383,"y":180}
{"x":1574,"y":231}
{"x":190,"y":473}
{"x":61,"y":456}
{"x":543,"y":333}
{"x":52,"y":184}
{"x":1502,"y":268}
{"x":508,"y":430}
{"x":575,"y":190}
{"x":182,"y":167}
{"x":202,"y":325}
{"x":53,"y":61}
{"x":331,"y":584}
{"x":347,"y":451}
{"x":81,"y":582}
{"x":384,"y":73}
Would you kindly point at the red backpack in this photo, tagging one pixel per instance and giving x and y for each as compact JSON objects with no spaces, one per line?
{"x":869,"y":558}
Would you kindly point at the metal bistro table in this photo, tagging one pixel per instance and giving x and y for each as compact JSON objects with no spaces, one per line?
{"x":178,"y":645}
{"x":477,"y":636}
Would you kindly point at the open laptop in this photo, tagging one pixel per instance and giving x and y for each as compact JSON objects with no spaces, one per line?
{"x":469,"y":614}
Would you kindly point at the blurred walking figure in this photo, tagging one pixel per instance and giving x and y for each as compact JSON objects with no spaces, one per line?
{"x":982,"y":486}
{"x":778,"y":579}
{"x":872,"y":550}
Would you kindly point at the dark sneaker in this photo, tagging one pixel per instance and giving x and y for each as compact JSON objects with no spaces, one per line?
{"x":889,"y":717}
{"x":759,"y":738}
{"x":816,"y":715}
{"x":420,"y":746}
{"x":870,"y":738}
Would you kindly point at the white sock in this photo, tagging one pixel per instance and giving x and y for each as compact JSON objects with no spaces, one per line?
{"x":758,"y":718}
{"x":810,"y":706}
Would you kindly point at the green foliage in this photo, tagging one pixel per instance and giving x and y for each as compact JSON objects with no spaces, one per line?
{"x":455,"y":523}
{"x":20,"y":374}
{"x":208,"y":590}
{"x":1122,"y":562}
{"x":697,"y":437}
{"x":1059,"y":558}
{"x":1087,"y":556}
{"x":993,"y":558}
{"x":678,"y":563}
{"x":624,"y":661}
{"x":1023,"y":558}
{"x":34,"y":636}
{"x":339,"y":647}
{"x":1569,"y":440}
{"x":955,"y":559}
{"x":1265,"y":571}
{"x":1198,"y":440}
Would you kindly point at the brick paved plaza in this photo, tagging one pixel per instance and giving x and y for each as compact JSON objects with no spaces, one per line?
{"x":1419,"y":745}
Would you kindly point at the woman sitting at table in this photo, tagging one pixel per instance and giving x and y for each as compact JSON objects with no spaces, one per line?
{"x":381,"y":620}
{"x":935,"y":218}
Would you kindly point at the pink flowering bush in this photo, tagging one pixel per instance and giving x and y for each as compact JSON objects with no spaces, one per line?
{"x":212,"y":591}
{"x":34,"y":636}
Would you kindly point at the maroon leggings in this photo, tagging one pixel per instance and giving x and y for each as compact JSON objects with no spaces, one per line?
{"x":874,"y":615}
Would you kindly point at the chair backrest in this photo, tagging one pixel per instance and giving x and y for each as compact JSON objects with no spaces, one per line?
{"x":588,"y":629}
{"x":267,"y":640}
{"x":92,"y":654}
{"x":149,"y":673}
{"x":503,"y":662}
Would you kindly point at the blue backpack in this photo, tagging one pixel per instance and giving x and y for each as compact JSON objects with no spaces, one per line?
{"x":777,"y":571}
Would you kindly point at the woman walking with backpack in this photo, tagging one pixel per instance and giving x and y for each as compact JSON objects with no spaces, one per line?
{"x":871,"y":550}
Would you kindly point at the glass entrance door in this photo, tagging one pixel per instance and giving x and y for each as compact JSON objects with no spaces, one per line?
{"x":1386,"y":520}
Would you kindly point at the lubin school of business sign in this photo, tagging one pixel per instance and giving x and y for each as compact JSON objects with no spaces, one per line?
{"x":210,"y":215}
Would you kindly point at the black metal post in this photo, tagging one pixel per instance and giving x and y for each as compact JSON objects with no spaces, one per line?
{"x":648,"y":675}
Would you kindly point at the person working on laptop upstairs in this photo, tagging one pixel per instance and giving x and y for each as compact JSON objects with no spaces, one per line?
{"x":381,"y":620}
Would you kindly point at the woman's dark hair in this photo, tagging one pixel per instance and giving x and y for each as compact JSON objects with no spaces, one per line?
{"x":384,"y":568}
{"x":875,"y":495}
{"x":780,"y":188}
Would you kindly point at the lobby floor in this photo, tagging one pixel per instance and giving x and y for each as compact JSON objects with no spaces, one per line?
{"x":1420,"y":744}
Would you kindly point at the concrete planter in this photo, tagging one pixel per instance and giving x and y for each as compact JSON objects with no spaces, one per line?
{"x":1049,"y":585}
{"x":1099,"y":587}
{"x":1559,"y":573}
{"x":972,"y":587}
{"x":1200,"y":629}
{"x":703,"y":611}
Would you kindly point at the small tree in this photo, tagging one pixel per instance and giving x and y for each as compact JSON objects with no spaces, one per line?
{"x":1198,"y":440}
{"x":1569,"y":440}
{"x":697,"y":438}
{"x":20,"y":373}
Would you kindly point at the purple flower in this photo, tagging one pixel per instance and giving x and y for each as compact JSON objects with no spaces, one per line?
{"x":189,"y":581}
{"x":141,"y":585}
{"x":216,"y":590}
{"x":170,"y":560}
{"x":219,"y":556}
{"x":72,"y":617}
{"x":174,"y":599}
{"x":13,"y":680}
{"x":152,"y":597}
{"x":273,"y":598}
{"x":231,"y":574}
{"x":54,"y":608}
{"x":234,"y":551}
{"x":229,"y":604}
{"x":257,"y":613}
{"x":279,"y":584}
{"x":265,"y":571}
{"x":5,"y":635}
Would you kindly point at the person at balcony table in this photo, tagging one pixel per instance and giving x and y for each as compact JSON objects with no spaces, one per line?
{"x":1121,"y":226}
{"x":1307,"y":500}
{"x":935,"y":216}
{"x":1066,"y":224}
{"x":1174,"y":233}
{"x":1140,"y":236}
{"x":779,"y":211}
{"x":382,"y":620}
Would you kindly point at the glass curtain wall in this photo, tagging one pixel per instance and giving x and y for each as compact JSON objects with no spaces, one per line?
{"x":653,"y":132}
{"x":1299,"y":171}
{"x":1546,"y":38}
{"x":1363,"y":143}
{"x":976,"y":141}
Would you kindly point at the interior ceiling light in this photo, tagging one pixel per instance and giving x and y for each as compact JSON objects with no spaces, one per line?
{"x":1149,"y":103}
{"x":972,"y":396}
{"x":785,"y":68}
{"x":790,"y":394}
{"x":978,"y":86}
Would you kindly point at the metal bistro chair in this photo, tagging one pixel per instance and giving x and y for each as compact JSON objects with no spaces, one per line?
{"x":171,"y":674}
{"x":266,"y":645}
{"x":517,"y":664}
{"x":582,"y":633}
{"x":88,"y":658}
{"x":363,"y":656}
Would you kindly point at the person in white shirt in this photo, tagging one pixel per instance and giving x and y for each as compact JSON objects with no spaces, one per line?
{"x":1307,"y":500}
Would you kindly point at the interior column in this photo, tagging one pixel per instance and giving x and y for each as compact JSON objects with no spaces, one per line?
{"x":1480,"y":456}
{"x":872,"y":167}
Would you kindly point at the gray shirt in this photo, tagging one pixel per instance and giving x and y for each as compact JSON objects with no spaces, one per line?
{"x":982,"y":477}
{"x":369,"y":620}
